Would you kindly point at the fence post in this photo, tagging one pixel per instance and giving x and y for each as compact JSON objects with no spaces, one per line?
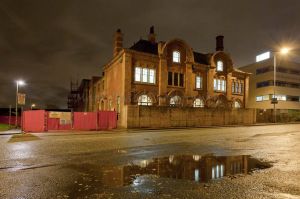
{"x":97,"y":119}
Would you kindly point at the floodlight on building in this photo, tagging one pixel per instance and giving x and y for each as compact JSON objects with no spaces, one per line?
{"x":263,"y":56}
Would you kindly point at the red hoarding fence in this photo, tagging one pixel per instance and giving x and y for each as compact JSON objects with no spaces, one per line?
{"x":34,"y":121}
{"x":85,"y":121}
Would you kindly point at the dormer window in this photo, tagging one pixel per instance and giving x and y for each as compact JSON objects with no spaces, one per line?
{"x":176,"y":56}
{"x":220,"y":66}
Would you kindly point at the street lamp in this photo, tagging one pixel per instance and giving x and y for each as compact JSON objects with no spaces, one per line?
{"x":282,"y":51}
{"x":32,"y":106}
{"x":19,"y":83}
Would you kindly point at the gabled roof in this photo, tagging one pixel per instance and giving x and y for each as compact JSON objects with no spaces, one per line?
{"x":152,"y":48}
{"x":145,"y":46}
{"x":201,"y":58}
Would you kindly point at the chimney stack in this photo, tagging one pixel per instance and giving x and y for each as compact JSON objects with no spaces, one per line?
{"x":219,"y":43}
{"x":118,"y":42}
{"x":151,"y":36}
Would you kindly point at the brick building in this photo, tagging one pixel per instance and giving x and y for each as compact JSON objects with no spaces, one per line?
{"x":171,"y":73}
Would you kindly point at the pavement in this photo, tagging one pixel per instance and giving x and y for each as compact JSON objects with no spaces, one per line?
{"x":153,"y":163}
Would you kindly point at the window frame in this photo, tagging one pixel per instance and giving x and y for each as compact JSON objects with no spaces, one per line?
{"x":218,"y":65}
{"x":200,"y":105}
{"x":200,"y":82}
{"x":143,"y":75}
{"x":148,"y":101}
{"x":176,"y":56}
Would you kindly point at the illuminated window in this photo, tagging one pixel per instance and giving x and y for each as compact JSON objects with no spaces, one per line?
{"x":280,"y":97}
{"x":266,"y":97}
{"x":219,"y":85}
{"x":259,"y":98}
{"x":138,"y":72}
{"x":236,"y":104}
{"x":219,"y":66}
{"x":151,"y":76}
{"x":144,"y":100}
{"x":198,"y":82}
{"x":176,"y":56}
{"x":199,"y":103}
{"x":176,"y":100}
{"x":197,"y":175}
{"x":144,"y":75}
{"x":222,"y":171}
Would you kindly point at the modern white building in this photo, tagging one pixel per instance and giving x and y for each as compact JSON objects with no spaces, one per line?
{"x":261,"y":86}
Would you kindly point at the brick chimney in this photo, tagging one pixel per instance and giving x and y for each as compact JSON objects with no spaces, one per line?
{"x":118,"y":42}
{"x":151,"y":36}
{"x":219,"y":43}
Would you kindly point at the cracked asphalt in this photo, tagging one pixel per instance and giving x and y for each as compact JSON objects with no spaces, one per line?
{"x":96,"y":164}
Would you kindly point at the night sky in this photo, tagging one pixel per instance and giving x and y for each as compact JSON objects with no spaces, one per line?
{"x":49,"y":42}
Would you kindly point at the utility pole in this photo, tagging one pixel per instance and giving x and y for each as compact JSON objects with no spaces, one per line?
{"x":9,"y":118}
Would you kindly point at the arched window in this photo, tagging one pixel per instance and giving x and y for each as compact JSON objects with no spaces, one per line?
{"x":144,"y":100}
{"x":176,"y":56}
{"x":176,"y":100}
{"x":220,"y":66}
{"x":199,"y":103}
{"x":236,"y":104}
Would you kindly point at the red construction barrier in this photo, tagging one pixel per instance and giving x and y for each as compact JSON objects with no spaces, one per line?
{"x":107,"y":120}
{"x":53,"y":124}
{"x":5,"y":120}
{"x":34,"y":121}
{"x":85,"y":121}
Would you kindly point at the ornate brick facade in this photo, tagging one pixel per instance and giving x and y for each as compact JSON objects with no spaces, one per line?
{"x":169,"y":74}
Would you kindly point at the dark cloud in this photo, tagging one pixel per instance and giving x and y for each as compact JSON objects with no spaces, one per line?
{"x":47,"y":43}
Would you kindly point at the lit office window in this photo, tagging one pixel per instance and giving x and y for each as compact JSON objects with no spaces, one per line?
{"x":259,"y":98}
{"x":266,"y":97}
{"x":176,"y":56}
{"x":144,"y":100}
{"x":219,"y":66}
{"x":280,"y":97}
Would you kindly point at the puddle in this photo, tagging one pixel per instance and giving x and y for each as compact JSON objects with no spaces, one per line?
{"x":195,"y":168}
{"x":189,"y":167}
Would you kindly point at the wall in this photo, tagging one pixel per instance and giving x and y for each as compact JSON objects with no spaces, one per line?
{"x":166,"y":117}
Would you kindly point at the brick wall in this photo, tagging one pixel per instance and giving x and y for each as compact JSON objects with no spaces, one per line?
{"x":166,"y":117}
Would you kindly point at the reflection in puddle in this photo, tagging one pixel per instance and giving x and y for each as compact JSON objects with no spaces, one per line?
{"x":189,"y":167}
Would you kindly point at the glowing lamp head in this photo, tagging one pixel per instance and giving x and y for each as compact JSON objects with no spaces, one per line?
{"x":20,"y":82}
{"x":284,"y":51}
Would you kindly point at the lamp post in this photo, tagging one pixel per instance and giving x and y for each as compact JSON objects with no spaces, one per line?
{"x":19,"y":83}
{"x":283,"y":51}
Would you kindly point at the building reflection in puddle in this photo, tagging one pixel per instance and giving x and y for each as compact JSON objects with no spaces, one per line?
{"x":189,"y":167}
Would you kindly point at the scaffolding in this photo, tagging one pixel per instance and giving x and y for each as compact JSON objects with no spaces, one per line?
{"x":74,"y":96}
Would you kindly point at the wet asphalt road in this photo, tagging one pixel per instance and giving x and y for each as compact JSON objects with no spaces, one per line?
{"x":95,"y":165}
